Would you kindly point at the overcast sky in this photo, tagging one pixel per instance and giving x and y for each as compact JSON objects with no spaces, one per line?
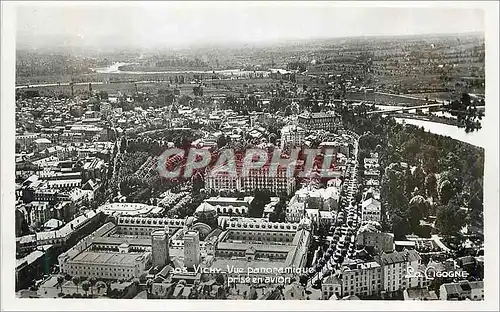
{"x":178,"y":24}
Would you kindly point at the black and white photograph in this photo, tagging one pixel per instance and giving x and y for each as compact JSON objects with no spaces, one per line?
{"x":196,"y":152}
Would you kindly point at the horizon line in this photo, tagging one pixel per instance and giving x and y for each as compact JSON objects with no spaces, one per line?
{"x":229,"y":44}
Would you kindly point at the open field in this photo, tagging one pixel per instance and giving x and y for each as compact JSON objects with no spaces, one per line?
{"x":443,"y":96}
{"x":211,"y":87}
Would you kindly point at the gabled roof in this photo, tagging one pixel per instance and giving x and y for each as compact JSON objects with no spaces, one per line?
{"x":371,"y":201}
{"x":399,"y":257}
{"x":332,"y":279}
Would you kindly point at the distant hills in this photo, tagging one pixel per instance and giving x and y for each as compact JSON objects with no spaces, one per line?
{"x":77,"y":44}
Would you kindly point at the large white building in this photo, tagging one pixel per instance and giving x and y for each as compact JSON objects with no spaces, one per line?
{"x":160,"y":247}
{"x":316,"y":204}
{"x":371,"y":210}
{"x":142,"y":226}
{"x":26,"y":139}
{"x":292,"y":136}
{"x":295,"y":211}
{"x":230,"y":201}
{"x":320,"y":121}
{"x":264,"y":179}
{"x":361,"y":278}
{"x":90,"y":258}
{"x":129,"y":209}
{"x":122,"y":249}
{"x":259,"y":230}
{"x":40,"y":212}
{"x":108,"y":265}
{"x":70,"y":231}
{"x":395,"y":269}
{"x":279,"y":182}
{"x":326,"y":199}
{"x":256,"y":243}
{"x":330,"y":286}
{"x":222,"y":182}
{"x":371,"y":162}
{"x":369,"y":236}
{"x":227,"y":206}
{"x":191,"y":249}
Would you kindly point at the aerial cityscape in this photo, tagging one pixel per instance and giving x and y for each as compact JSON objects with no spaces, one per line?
{"x":337,"y":166}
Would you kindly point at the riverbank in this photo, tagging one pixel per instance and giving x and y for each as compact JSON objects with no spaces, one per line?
{"x":148,"y":69}
{"x":429,"y":118}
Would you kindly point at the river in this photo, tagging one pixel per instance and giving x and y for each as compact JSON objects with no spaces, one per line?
{"x":476,"y":138}
{"x":424,"y":110}
{"x":112,"y":69}
{"x":115,"y":69}
{"x":228,"y":74}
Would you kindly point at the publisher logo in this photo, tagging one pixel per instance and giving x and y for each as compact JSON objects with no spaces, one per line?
{"x":430,"y":273}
